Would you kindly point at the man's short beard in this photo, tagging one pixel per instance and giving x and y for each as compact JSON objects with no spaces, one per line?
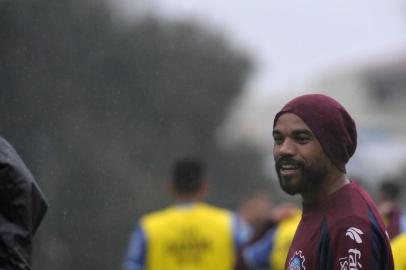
{"x":309,"y":182}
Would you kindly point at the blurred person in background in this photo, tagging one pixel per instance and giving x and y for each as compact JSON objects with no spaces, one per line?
{"x":22,"y":208}
{"x":191,"y":234}
{"x":390,"y":208}
{"x":314,"y":137}
{"x":269,"y":245}
{"x":254,"y":211}
{"x":398,"y":249}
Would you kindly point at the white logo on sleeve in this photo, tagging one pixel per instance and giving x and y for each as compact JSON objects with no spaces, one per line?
{"x":354,"y":234}
{"x":351,"y":262}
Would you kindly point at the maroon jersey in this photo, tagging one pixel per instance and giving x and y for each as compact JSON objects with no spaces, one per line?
{"x":344,"y":232}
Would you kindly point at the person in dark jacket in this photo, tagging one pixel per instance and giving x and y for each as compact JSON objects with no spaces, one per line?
{"x":22,"y":208}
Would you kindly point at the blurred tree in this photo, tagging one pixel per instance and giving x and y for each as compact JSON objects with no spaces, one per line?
{"x":99,"y":110}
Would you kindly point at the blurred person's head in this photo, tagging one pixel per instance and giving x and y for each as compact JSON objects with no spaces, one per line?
{"x":314,"y":138}
{"x":389,"y":190}
{"x":255,"y":208}
{"x":284,"y":210}
{"x":188,"y":182}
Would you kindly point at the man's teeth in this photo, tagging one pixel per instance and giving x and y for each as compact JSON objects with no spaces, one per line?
{"x":289,"y":167}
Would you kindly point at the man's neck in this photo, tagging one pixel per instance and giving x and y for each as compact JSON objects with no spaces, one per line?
{"x":333,"y":182}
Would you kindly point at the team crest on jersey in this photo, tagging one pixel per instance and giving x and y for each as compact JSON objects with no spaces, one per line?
{"x":297,"y":261}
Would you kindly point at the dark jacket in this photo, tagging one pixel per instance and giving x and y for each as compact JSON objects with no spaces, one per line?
{"x":22,"y":207}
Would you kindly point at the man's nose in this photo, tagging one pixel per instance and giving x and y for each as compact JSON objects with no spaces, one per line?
{"x":286,"y":148}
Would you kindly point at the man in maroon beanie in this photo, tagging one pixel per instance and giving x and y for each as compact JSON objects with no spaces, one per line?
{"x":340,"y":227}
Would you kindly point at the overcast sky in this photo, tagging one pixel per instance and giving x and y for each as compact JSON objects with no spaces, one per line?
{"x":294,"y":41}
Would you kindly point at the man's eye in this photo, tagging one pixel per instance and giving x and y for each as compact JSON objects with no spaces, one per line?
{"x":277,"y":139}
{"x":303,"y":139}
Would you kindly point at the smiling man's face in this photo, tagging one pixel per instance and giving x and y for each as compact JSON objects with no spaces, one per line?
{"x":300,"y":161}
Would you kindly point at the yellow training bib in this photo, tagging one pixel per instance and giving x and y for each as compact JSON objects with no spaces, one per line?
{"x":193,"y":238}
{"x":398,"y":245}
{"x":285,"y":231}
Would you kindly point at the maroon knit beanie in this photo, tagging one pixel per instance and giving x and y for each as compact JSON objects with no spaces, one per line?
{"x":330,"y":123}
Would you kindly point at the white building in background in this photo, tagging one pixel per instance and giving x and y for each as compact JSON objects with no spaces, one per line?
{"x":375,"y":95}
